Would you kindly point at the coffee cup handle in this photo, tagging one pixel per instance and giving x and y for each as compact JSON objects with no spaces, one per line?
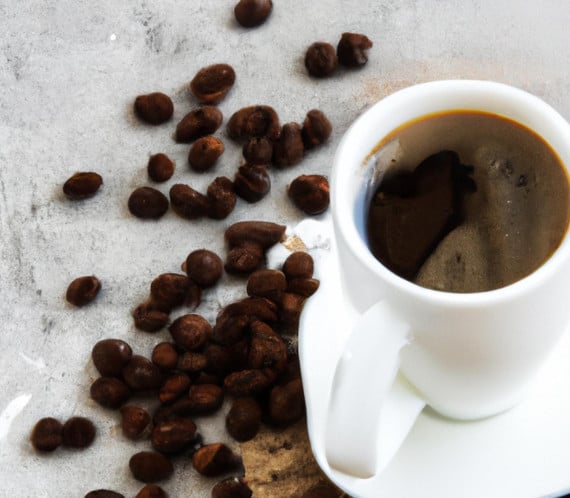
{"x":372,"y":408}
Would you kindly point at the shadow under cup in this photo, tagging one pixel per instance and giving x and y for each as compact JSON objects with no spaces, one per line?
{"x":459,"y":356}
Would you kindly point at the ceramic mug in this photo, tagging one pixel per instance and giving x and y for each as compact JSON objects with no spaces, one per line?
{"x":468,"y":355}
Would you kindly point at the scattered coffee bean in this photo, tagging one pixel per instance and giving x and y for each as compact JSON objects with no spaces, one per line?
{"x":160,"y":167}
{"x":298,"y":264}
{"x":151,"y":491}
{"x":189,"y":203}
{"x":316,"y":129}
{"x":305,"y":287}
{"x":150,"y":466}
{"x":135,"y":422}
{"x":190,"y":332}
{"x":173,"y":436}
{"x":267,"y":283}
{"x":289,"y":149}
{"x":248,"y":382}
{"x":147,"y":203}
{"x":255,"y":121}
{"x":287,"y":403}
{"x":78,"y":432}
{"x":252,"y":182}
{"x":290,"y":310}
{"x":352,"y":49}
{"x":169,"y":290}
{"x":204,"y":267}
{"x":264,"y":233}
{"x":47,"y":434}
{"x":165,"y":356}
{"x":227,"y":358}
{"x":204,"y":153}
{"x":321,"y":60}
{"x":82,"y":185}
{"x":140,"y":374}
{"x":222,"y":198}
{"x":155,"y":108}
{"x":233,"y":487}
{"x":174,"y":386}
{"x":251,"y":13}
{"x":243,"y":421}
{"x":258,"y":150}
{"x":104,"y":493}
{"x":148,"y":319}
{"x":215,"y":459}
{"x":110,"y":356}
{"x":204,"y":399}
{"x":83,"y":290}
{"x":266,"y":348}
{"x":244,"y":259}
{"x":322,"y":491}
{"x":198,"y":123}
{"x":310,"y":193}
{"x":109,"y":392}
{"x":212,"y":83}
{"x":192,"y":362}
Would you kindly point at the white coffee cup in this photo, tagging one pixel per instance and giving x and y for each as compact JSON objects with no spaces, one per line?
{"x":468,"y":355}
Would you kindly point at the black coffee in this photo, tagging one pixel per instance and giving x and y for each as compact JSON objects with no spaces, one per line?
{"x":466,"y":202}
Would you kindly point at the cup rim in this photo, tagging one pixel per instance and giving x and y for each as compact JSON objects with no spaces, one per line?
{"x":343,"y":220}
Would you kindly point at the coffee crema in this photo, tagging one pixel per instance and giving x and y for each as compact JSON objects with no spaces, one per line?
{"x":466,"y":201}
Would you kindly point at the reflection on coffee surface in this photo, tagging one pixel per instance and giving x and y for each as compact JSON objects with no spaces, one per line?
{"x":466,"y":201}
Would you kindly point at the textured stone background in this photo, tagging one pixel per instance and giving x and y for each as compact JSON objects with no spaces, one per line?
{"x":69,"y":71}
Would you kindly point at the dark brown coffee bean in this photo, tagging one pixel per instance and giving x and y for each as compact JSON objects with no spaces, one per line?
{"x":305,"y":287}
{"x":258,"y":150}
{"x":287,"y":403}
{"x":204,"y":398}
{"x":254,"y":121}
{"x":243,"y":421}
{"x":47,"y":434}
{"x":252,"y":182}
{"x":109,"y":392}
{"x":175,"y":386}
{"x":215,"y":459}
{"x":192,"y":362}
{"x":141,"y":374}
{"x":189,"y":203}
{"x":289,"y":149}
{"x":198,"y":123}
{"x":204,"y":267}
{"x":222,"y":198}
{"x":232,"y":487}
{"x":173,"y":435}
{"x":352,"y":49}
{"x":169,"y":290}
{"x":290,"y":310}
{"x":212,"y":83}
{"x":82,"y":185}
{"x":204,"y":153}
{"x":110,"y":356}
{"x":310,"y":193}
{"x":150,"y":466}
{"x":78,"y":432}
{"x":135,"y":422}
{"x":266,"y":348}
{"x":316,"y":130}
{"x":190,"y":332}
{"x":223,"y":360}
{"x":251,"y":13}
{"x":155,"y":108}
{"x":83,"y":290}
{"x":244,"y":259}
{"x":151,"y":491}
{"x":248,"y":382}
{"x":262,"y":233}
{"x":207,"y":378}
{"x":165,"y":356}
{"x":104,"y":493}
{"x":160,"y":167}
{"x":147,"y":203}
{"x":298,"y":265}
{"x":322,"y":491}
{"x":267,"y":283}
{"x":149,"y":319}
{"x":320,"y":60}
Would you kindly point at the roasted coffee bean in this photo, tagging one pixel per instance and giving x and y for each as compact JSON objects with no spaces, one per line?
{"x":266,"y":348}
{"x":109,"y":392}
{"x":212,"y":83}
{"x":258,"y":150}
{"x":150,"y":466}
{"x":174,"y":386}
{"x":149,"y":319}
{"x":207,"y":378}
{"x":352,"y":49}
{"x":263,"y":233}
{"x":189,"y":203}
{"x":169,"y":290}
{"x":252,"y":182}
{"x":243,"y":421}
{"x":289,"y":148}
{"x":155,"y":108}
{"x":310,"y":193}
{"x":204,"y":398}
{"x":140,"y":374}
{"x":160,"y":167}
{"x":205,"y":152}
{"x":248,"y":382}
{"x":47,"y":434}
{"x":192,"y":362}
{"x":223,"y":360}
{"x":104,"y":493}
{"x":110,"y":356}
{"x":151,"y":491}
{"x":215,"y":459}
{"x":78,"y":432}
{"x":287,"y":403}
{"x":267,"y":283}
{"x":251,"y":13}
{"x":204,"y":267}
{"x":82,"y":185}
{"x":198,"y":123}
{"x":165,"y":356}
{"x":222,"y":198}
{"x":254,"y":121}
{"x":232,"y":487}
{"x":298,"y":265}
{"x":305,"y":287}
{"x":316,"y":129}
{"x":147,"y":203}
{"x":173,"y":435}
{"x":190,"y":332}
{"x":320,"y":60}
{"x":322,"y":491}
{"x":83,"y":290}
{"x":244,"y":259}
{"x":290,"y":310}
{"x":135,"y":422}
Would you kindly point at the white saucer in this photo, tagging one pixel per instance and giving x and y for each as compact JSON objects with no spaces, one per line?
{"x":523,"y":453}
